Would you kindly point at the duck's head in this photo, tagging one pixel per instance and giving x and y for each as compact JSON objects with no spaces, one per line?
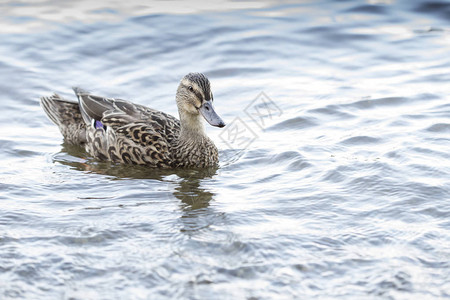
{"x":194,"y":98}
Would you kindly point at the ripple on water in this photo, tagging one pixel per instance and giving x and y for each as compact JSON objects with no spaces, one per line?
{"x":374,"y":103}
{"x":336,"y":175}
{"x":371,"y":9}
{"x":294,"y":124}
{"x":440,"y":128}
{"x":334,"y":112}
{"x":361,"y":140}
{"x":438,"y":8}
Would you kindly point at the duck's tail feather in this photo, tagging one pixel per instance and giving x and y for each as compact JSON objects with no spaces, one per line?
{"x":66,"y":114}
{"x":60,"y":110}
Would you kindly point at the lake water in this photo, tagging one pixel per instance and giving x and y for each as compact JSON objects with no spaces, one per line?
{"x":334,"y":181}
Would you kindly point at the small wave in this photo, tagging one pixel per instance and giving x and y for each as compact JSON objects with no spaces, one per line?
{"x":437,"y":8}
{"x":294,"y":123}
{"x":374,"y":103}
{"x":440,"y":127}
{"x":360,"y":140}
{"x":371,"y":9}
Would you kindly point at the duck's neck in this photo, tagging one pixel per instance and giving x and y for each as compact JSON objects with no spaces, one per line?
{"x":192,"y":128}
{"x":194,"y":148}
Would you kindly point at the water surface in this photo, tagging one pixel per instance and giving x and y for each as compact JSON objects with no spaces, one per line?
{"x":334,"y":179}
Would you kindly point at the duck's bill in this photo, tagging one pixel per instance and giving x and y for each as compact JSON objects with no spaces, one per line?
{"x":210,"y":115}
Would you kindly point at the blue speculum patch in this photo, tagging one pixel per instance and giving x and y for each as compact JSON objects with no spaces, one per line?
{"x":98,"y":124}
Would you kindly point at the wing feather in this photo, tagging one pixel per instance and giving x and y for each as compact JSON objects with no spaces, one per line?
{"x":134,"y":133}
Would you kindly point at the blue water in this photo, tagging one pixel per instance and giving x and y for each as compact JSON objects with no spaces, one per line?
{"x":334,"y":180}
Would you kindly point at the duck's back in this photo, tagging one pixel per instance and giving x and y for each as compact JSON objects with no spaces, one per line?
{"x":114,"y":129}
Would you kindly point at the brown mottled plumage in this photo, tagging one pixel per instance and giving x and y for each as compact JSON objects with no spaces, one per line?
{"x":120,"y":131}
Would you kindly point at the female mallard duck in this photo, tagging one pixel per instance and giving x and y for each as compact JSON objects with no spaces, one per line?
{"x":120,"y":131}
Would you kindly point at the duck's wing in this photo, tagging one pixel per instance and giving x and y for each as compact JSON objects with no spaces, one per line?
{"x":139,"y":134}
{"x":94,"y":108}
{"x":117,"y":112}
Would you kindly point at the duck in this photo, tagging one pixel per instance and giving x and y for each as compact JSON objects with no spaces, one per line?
{"x":120,"y":131}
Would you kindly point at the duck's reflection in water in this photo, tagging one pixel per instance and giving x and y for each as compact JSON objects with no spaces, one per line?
{"x":190,"y":189}
{"x":184,"y":184}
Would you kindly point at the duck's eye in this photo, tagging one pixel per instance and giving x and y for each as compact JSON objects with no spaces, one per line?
{"x":191,"y":88}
